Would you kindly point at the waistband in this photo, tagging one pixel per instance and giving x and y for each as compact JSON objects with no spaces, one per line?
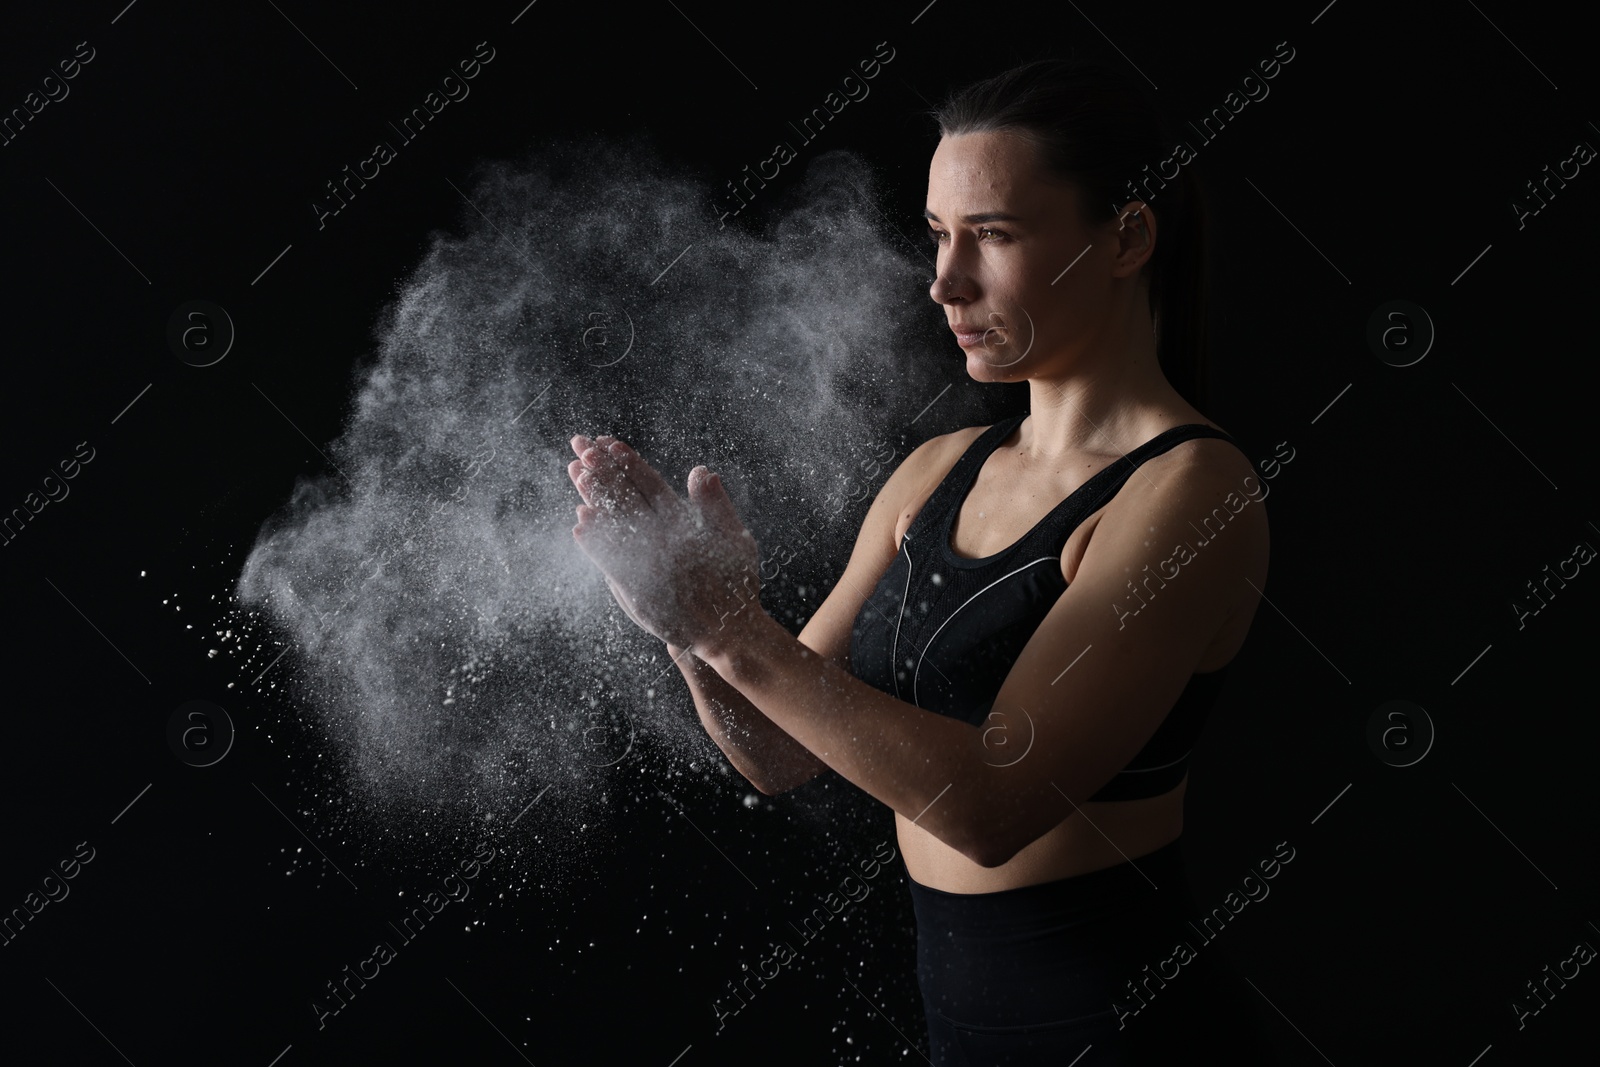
{"x":1156,"y":880}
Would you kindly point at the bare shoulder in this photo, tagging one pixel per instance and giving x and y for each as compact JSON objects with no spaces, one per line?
{"x":1201,"y":483}
{"x":920,"y":473}
{"x":940,"y":452}
{"x":878,"y":542}
{"x":1202,"y":458}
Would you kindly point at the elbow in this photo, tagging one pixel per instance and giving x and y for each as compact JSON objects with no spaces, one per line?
{"x":1000,"y":822}
{"x":760,"y":781}
{"x":768,"y":788}
{"x":994,"y":843}
{"x":764,"y":784}
{"x":989,"y":854}
{"x":983,"y":833}
{"x":986,"y":860}
{"x":988,"y":848}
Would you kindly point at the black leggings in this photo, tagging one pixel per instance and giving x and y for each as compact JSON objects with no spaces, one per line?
{"x":1041,"y":974}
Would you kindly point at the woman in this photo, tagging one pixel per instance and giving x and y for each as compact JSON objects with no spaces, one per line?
{"x":1016,"y":659}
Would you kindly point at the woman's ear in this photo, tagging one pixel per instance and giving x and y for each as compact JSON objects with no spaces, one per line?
{"x":1135,"y":236}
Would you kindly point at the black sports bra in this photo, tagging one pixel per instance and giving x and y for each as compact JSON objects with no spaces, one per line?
{"x":941,"y":631}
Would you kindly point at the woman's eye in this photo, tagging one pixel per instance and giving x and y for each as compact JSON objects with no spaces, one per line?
{"x":938,"y":237}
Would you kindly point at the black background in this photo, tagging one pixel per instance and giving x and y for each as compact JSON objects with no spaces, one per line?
{"x":1385,"y":161}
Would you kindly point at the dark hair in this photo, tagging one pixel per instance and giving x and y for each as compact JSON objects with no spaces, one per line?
{"x":1096,"y":128}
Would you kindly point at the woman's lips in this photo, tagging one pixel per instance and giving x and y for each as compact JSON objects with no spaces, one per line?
{"x":967,"y":337}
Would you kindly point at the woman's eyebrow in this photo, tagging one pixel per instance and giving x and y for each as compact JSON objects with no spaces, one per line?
{"x":987,"y":216}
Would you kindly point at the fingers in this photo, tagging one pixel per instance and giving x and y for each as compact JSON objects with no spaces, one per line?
{"x":645,"y":479}
{"x":707,"y":492}
{"x":579,"y":475}
{"x":601,"y":478}
{"x":601,"y":538}
{"x":597,"y":488}
{"x":618,"y":566}
{"x":597,"y":546}
{"x":620,"y":476}
{"x":622,"y":602}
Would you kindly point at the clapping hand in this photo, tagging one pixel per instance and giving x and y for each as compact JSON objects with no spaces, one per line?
{"x":678,"y":567}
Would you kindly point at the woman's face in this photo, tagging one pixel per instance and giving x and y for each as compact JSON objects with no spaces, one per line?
{"x":1023,"y":281}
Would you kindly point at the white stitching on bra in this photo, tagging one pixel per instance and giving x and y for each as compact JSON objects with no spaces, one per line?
{"x":953,"y":614}
{"x":894,"y":648}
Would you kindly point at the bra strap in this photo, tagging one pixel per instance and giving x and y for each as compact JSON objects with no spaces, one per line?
{"x":963,"y":474}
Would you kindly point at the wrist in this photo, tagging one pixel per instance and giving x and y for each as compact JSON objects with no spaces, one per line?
{"x":735,"y":651}
{"x":683,"y":658}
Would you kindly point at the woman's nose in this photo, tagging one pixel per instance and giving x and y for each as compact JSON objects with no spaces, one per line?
{"x":948,"y":287}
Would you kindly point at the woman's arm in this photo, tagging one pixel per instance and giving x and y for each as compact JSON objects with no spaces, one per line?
{"x":1093,"y":682}
{"x":757,"y":747}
